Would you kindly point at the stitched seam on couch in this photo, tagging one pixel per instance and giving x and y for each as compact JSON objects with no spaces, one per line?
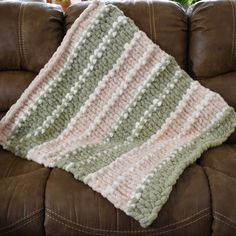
{"x":182,"y":226}
{"x":233,"y":34}
{"x":224,"y":218}
{"x":55,"y":215}
{"x":27,"y":173}
{"x":21,"y":35}
{"x":20,"y":223}
{"x":153,"y":20}
{"x":8,"y":170}
{"x":220,"y":171}
{"x":126,"y":232}
{"x":20,"y":226}
{"x":44,"y":199}
{"x":210,"y":195}
{"x":150,"y":20}
{"x":226,"y":223}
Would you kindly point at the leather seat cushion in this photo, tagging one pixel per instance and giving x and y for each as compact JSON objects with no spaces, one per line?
{"x":220,"y":165}
{"x":22,"y":187}
{"x":73,"y":208}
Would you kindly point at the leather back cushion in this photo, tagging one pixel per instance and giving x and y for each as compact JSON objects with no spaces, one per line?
{"x":12,"y":84}
{"x":212,"y":49}
{"x":30,"y":33}
{"x":164,"y":22}
{"x":212,"y":46}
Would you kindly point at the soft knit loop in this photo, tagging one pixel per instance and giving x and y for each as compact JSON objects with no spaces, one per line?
{"x":117,"y":112}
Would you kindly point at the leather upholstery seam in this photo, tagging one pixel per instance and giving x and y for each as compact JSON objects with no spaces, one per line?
{"x":121,"y":232}
{"x":117,"y":219}
{"x":226,"y":223}
{"x":23,"y":36}
{"x":22,"y":223}
{"x":150,"y":19}
{"x":44,"y":199}
{"x":20,"y":35}
{"x":153,"y":20}
{"x":187,"y":218}
{"x":7,"y":171}
{"x":50,"y":213}
{"x":181,"y":226}
{"x":38,"y":211}
{"x":233,"y":34}
{"x":200,"y":7}
{"x":22,"y":174}
{"x":99,"y":213}
{"x":218,"y":170}
{"x":226,"y":218}
{"x":210,"y":195}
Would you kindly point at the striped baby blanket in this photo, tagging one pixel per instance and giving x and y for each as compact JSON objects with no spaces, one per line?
{"x":117,"y":112}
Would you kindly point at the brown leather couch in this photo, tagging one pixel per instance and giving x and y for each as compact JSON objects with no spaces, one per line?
{"x":40,"y":201}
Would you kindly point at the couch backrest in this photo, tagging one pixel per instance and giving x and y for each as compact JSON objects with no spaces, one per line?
{"x":212,"y":46}
{"x":29,"y":35}
{"x":203,"y":40}
{"x":164,"y":22}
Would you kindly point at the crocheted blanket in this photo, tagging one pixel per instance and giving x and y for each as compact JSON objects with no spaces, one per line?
{"x":117,"y":112}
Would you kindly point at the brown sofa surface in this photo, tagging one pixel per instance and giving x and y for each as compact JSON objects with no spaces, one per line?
{"x":35,"y":200}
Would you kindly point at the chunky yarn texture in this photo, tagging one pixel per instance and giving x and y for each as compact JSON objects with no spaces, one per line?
{"x":117,"y":112}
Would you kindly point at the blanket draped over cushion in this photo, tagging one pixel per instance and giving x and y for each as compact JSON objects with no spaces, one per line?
{"x":117,"y":112}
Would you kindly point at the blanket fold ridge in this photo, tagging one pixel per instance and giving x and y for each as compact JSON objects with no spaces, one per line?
{"x":117,"y":112}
